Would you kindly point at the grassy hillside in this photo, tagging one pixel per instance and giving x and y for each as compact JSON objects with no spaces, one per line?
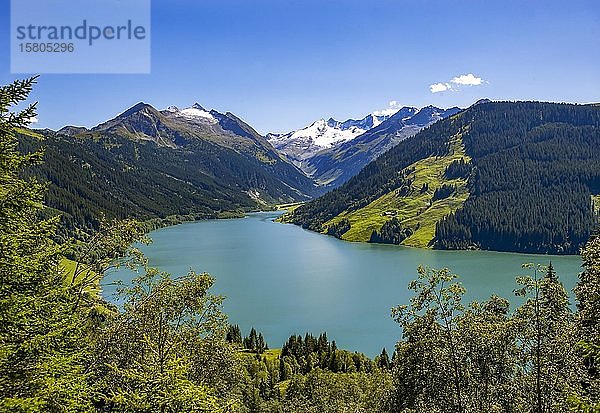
{"x":415,"y":209}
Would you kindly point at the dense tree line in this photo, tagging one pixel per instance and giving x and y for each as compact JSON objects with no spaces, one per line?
{"x":168,"y":348}
{"x":312,"y":373}
{"x":339,"y":228}
{"x":254,"y":342}
{"x":458,"y":169}
{"x":533,"y":169}
{"x":300,"y":355}
{"x":391,"y":232}
{"x":319,"y":390}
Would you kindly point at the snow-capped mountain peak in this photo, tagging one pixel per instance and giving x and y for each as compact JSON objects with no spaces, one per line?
{"x":319,"y":135}
{"x":326,"y":133}
{"x":199,"y":107}
{"x":195,"y":112}
{"x":323,"y":134}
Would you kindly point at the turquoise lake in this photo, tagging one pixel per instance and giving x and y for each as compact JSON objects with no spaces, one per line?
{"x":284,"y":280}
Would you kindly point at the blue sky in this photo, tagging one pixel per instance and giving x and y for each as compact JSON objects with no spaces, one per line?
{"x":281,"y":64}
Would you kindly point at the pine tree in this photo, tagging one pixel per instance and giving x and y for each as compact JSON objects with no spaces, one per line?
{"x":234,"y":335}
{"x":384,"y":360}
{"x":260,"y":344}
{"x":251,"y":342}
{"x":334,"y":362}
{"x":548,"y":340}
{"x":41,"y":331}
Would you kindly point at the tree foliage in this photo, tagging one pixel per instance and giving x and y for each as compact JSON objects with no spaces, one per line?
{"x":164,"y":352}
{"x":587,"y":292}
{"x":482,"y":357}
{"x":339,"y":228}
{"x":391,"y":232}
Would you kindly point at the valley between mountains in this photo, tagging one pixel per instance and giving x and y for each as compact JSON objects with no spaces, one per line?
{"x":504,"y":176}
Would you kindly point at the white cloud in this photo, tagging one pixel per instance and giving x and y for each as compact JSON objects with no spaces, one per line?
{"x":440,"y":87}
{"x":393,"y":107}
{"x":463,"y":80}
{"x":33,"y":119}
{"x":468,"y":79}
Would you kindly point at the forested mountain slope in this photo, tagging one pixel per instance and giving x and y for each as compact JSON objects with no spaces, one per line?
{"x":225,"y":145}
{"x":147,"y":164}
{"x":507,"y":176}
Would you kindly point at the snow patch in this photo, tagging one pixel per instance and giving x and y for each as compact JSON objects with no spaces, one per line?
{"x":325,"y":136}
{"x":195,"y":112}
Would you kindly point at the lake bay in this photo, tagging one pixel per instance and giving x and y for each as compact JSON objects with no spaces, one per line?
{"x":284,"y":280}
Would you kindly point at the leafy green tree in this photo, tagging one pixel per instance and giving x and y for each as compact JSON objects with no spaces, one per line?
{"x":165,"y":352}
{"x":328,"y":392}
{"x":482,"y":358}
{"x":487,"y":334}
{"x":428,"y":373}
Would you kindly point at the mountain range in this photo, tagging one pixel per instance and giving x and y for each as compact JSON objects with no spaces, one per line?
{"x":331,"y":152}
{"x":226,"y":148}
{"x":302,"y":144}
{"x":508,"y":176}
{"x":148,"y":163}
